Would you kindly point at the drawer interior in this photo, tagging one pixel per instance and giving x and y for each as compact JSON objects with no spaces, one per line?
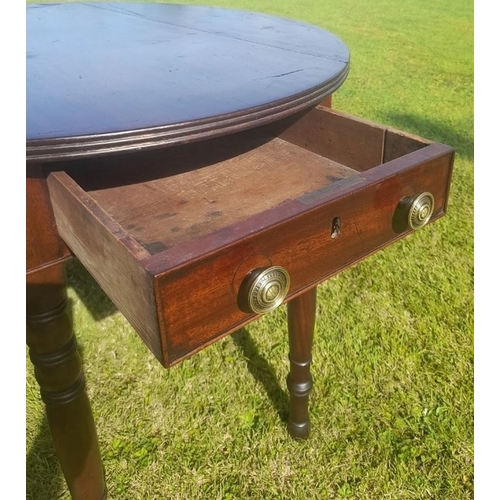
{"x":168,"y":198}
{"x":162,"y":212}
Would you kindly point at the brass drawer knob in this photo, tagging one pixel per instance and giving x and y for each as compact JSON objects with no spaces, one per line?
{"x":418,"y":209}
{"x":264,"y":289}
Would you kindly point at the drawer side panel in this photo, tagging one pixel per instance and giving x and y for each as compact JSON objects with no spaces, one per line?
{"x":354,"y":143}
{"x":108,"y":254}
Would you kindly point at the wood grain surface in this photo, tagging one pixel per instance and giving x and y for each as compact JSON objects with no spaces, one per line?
{"x":103,"y":78}
{"x":163,"y":212}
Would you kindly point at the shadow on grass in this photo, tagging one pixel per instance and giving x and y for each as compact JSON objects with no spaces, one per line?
{"x":263,"y":373}
{"x":44,"y":479}
{"x":438,"y":131}
{"x":89,"y":292}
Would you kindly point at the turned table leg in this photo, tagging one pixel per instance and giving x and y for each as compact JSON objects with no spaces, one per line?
{"x":301,"y":317}
{"x":58,"y":370}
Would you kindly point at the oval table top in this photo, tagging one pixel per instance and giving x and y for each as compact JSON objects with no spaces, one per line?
{"x":111,"y":77}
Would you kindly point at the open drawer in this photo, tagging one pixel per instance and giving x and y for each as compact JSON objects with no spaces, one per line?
{"x":183,"y":239}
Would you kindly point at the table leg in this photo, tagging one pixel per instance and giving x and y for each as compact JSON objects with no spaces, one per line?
{"x":58,"y":370}
{"x":301,"y":318}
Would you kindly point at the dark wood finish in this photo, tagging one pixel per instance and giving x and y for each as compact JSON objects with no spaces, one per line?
{"x":43,"y":244}
{"x":140,"y":68}
{"x":132,"y":89}
{"x":355,"y":143}
{"x":181,"y":252}
{"x":397,"y":144}
{"x":110,"y":253}
{"x":58,"y":370}
{"x":327,"y":102}
{"x":301,"y":319}
{"x":178,"y":152}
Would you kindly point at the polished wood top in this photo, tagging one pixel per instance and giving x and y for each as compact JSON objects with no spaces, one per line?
{"x":104,"y":78}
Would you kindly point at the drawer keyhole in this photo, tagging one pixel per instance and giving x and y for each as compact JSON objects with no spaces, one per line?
{"x":335,"y":229}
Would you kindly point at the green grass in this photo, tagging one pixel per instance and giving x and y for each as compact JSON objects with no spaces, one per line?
{"x":392,"y":405}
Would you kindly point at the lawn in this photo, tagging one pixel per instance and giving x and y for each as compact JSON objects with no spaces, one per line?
{"x":392,"y":405}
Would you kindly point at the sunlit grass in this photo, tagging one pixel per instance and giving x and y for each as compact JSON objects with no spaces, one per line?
{"x":392,"y":406}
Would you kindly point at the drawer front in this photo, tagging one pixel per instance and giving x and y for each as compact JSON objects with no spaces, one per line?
{"x":198,"y":302}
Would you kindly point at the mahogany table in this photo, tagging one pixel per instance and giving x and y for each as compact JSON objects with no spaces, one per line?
{"x":182,"y":154}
